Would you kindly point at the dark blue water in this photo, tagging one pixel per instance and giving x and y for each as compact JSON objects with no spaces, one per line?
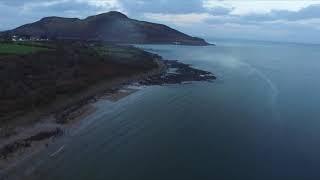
{"x":259,"y":120}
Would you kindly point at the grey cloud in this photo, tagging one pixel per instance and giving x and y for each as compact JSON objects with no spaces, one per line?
{"x":311,"y":12}
{"x":81,"y":9}
{"x":220,"y":10}
{"x":22,"y":2}
{"x":305,"y":13}
{"x":163,"y":6}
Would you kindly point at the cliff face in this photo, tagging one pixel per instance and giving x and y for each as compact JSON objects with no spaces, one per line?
{"x":112,"y":27}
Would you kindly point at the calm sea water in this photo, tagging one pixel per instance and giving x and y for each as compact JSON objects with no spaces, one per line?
{"x":259,"y":120}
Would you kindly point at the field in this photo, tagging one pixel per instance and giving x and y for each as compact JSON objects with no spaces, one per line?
{"x":18,"y":49}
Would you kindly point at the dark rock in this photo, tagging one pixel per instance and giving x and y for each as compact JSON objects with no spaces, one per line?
{"x":25,"y":143}
{"x":183,"y":73}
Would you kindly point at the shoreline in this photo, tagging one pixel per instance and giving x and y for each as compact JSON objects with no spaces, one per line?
{"x":38,"y":130}
{"x":34,"y":131}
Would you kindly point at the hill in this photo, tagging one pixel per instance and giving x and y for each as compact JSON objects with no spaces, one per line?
{"x":110,"y":27}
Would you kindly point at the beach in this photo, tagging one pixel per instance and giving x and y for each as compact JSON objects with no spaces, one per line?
{"x":60,"y":115}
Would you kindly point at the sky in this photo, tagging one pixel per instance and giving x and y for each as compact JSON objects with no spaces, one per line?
{"x":269,"y":20}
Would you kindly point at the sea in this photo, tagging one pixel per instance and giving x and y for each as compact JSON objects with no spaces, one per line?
{"x":260,"y":120}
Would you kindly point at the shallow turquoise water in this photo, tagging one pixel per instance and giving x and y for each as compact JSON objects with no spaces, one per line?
{"x":259,"y":120}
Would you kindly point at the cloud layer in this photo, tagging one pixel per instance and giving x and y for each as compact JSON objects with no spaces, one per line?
{"x":267,"y":20}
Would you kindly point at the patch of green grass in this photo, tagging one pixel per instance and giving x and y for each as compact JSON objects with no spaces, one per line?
{"x":18,"y":49}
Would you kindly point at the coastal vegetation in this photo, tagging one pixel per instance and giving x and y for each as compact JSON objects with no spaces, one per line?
{"x":33,"y":76}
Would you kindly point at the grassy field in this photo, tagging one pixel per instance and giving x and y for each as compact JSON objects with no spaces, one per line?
{"x":14,"y":48}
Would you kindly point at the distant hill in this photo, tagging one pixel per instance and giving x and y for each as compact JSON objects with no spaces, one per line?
{"x":111,"y":27}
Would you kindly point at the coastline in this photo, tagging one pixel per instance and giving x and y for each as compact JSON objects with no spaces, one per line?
{"x":37,"y":130}
{"x":33,"y":132}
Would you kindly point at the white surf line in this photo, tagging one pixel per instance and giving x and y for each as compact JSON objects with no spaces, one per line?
{"x":58,"y":151}
{"x":274,"y":89}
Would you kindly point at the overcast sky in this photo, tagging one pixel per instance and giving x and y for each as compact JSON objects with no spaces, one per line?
{"x":281,"y":20}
